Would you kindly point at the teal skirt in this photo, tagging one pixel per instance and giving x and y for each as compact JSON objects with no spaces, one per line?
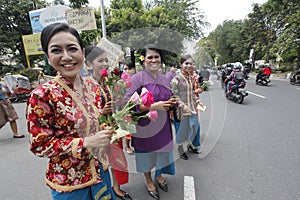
{"x":188,"y":130}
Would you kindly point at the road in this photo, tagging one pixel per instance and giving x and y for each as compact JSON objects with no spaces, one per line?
{"x":249,"y":151}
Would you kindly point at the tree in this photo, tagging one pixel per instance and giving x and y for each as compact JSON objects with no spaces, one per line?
{"x":132,"y":24}
{"x":15,"y":22}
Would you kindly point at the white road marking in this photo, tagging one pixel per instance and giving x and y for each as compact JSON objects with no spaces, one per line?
{"x":256,"y":94}
{"x":189,"y":188}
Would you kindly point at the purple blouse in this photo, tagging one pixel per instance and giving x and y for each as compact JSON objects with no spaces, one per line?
{"x":153,"y":135}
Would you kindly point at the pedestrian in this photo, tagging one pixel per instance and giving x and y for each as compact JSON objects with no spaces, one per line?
{"x":97,"y":60}
{"x":62,"y":118}
{"x":129,"y":68}
{"x":8,"y":114}
{"x":153,"y":141}
{"x":41,"y":78}
{"x":188,"y":127}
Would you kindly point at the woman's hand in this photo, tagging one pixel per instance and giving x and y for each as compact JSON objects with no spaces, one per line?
{"x":107,"y":109}
{"x":199,"y":90}
{"x":100,"y":139}
{"x":162,"y":105}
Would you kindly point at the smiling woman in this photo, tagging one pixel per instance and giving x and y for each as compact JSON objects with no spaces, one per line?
{"x":62,"y":117}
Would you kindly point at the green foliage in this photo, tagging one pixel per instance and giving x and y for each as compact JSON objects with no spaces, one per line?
{"x":271,"y":29}
{"x":282,"y":69}
{"x":15,"y":22}
{"x":166,"y":23}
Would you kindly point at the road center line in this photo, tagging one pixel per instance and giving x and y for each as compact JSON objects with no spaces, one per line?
{"x":189,"y":188}
{"x":256,"y":94}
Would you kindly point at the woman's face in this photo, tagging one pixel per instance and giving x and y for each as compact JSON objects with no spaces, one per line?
{"x":152,"y":61}
{"x":65,"y":55}
{"x":99,"y":63}
{"x":129,"y":71}
{"x":187,"y":67}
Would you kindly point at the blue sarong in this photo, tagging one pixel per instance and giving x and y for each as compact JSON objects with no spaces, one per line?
{"x":188,"y":130}
{"x":162,"y":161}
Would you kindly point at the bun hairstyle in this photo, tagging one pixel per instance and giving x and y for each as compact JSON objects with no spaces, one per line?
{"x":92,"y":52}
{"x":52,"y":29}
{"x":151,"y":47}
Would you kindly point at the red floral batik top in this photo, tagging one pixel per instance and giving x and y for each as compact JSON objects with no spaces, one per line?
{"x":57,"y":123}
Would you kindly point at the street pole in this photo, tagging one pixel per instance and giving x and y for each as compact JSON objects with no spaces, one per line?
{"x":103,"y":19}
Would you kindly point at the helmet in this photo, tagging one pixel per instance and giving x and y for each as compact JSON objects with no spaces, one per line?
{"x":237,"y":65}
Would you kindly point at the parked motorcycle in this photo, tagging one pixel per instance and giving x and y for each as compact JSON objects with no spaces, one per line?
{"x":238,"y":92}
{"x":263,"y":80}
{"x":18,"y":87}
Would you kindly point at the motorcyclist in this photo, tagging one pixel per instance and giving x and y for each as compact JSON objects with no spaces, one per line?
{"x":266,"y":71}
{"x":235,"y":76}
{"x":226,"y":72}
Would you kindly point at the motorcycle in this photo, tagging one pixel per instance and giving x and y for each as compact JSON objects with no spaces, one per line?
{"x":293,"y":80}
{"x":263,"y":80}
{"x":238,"y":92}
{"x":18,"y":87}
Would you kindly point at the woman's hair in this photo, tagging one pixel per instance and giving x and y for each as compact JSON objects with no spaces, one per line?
{"x":130,"y":65}
{"x":151,"y":47}
{"x":92,"y":52}
{"x":52,"y":29}
{"x":185,"y":57}
{"x":173,"y":64}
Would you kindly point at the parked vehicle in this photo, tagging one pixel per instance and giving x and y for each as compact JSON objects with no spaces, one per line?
{"x":18,"y":87}
{"x":238,"y":92}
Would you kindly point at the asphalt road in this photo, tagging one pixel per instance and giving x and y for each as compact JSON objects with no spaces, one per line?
{"x":249,"y":151}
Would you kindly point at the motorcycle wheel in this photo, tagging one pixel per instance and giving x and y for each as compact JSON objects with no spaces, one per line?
{"x":240,"y":100}
{"x":292,"y":82}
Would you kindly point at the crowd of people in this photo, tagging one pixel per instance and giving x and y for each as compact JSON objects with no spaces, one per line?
{"x":62,"y":119}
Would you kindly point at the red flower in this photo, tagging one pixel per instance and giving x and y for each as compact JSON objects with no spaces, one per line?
{"x":116,"y":71}
{"x":104,"y":73}
{"x":147,"y":97}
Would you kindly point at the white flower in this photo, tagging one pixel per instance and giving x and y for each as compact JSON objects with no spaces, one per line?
{"x":174,"y":81}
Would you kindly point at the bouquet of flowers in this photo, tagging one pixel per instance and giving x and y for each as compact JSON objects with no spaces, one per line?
{"x":124,"y":119}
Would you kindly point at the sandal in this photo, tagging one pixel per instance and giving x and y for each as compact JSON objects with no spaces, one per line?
{"x":19,"y":136}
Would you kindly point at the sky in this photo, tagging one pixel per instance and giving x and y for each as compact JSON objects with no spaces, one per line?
{"x":216,"y":11}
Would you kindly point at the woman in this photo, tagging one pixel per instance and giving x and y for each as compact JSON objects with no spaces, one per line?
{"x":129,"y":68}
{"x":97,"y":60}
{"x":153,"y":142}
{"x":188,"y":129}
{"x":8,"y":114}
{"x":62,"y":121}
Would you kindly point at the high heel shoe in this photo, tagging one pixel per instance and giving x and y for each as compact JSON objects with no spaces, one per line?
{"x":125,"y":197}
{"x":196,"y":151}
{"x":163,"y":186}
{"x":154,"y":194}
{"x":184,"y":156}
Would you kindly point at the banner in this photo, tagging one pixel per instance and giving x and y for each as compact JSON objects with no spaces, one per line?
{"x":32,"y":44}
{"x":113,"y":51}
{"x":45,"y":16}
{"x":81,"y":19}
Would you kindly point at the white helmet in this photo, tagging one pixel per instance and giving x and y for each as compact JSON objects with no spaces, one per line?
{"x":237,"y":65}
